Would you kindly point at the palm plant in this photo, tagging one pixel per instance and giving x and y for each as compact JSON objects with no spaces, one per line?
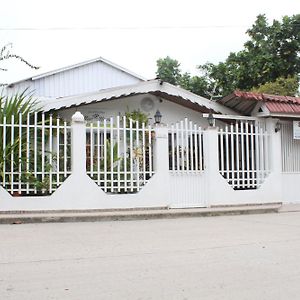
{"x":14,"y":109}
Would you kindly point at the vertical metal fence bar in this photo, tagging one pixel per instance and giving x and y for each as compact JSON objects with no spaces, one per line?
{"x":196,"y":143}
{"x":65,"y":149}
{"x":221,"y":150}
{"x":105,"y":155}
{"x":12,"y":125}
{"x":20,"y":153}
{"x":118,"y":153}
{"x":50,"y":153}
{"x":200,"y":139}
{"x":173,"y":147}
{"x":125,"y":153}
{"x":227,"y":152}
{"x":253,"y":158}
{"x":257,"y":158}
{"x":4,"y":152}
{"x":191,"y":146}
{"x":43,"y":149}
{"x":182,"y":145}
{"x":245,"y":169}
{"x":57,"y":153}
{"x":91,"y":150}
{"x":232,"y":156}
{"x":150,"y":151}
{"x":262,"y":158}
{"x":27,"y":149}
{"x":35,"y":149}
{"x":177,"y":148}
{"x":98,"y":152}
{"x":111,"y":154}
{"x":137,"y":156}
{"x":186,"y":136}
{"x":237,"y":156}
{"x":144,"y":153}
{"x":131,"y":154}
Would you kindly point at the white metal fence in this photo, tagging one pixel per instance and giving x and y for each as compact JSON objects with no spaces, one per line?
{"x":244,"y":159}
{"x":290,"y":148}
{"x":35,"y":153}
{"x":119,"y":154}
{"x":185,"y":147}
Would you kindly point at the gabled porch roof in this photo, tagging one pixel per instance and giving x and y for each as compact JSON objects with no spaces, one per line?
{"x":153,"y":87}
{"x":249,"y":103}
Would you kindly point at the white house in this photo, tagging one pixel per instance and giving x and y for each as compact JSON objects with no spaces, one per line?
{"x":247,"y":156}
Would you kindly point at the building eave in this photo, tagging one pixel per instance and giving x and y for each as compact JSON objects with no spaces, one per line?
{"x":155,"y":87}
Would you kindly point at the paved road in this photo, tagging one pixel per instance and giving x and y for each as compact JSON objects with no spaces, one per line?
{"x":238,"y":257}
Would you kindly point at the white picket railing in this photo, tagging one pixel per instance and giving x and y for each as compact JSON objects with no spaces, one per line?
{"x":119,"y":154}
{"x":36,"y":156}
{"x":244,"y":159}
{"x":290,"y":148}
{"x":185,"y":147}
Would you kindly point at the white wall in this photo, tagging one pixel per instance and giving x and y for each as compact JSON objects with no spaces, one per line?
{"x":170,"y":111}
{"x":290,"y":187}
{"x":87,"y":78}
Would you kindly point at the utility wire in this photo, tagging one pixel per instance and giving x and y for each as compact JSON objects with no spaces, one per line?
{"x":118,"y":28}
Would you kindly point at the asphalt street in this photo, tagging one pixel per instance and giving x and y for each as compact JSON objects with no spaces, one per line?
{"x":230,"y":257}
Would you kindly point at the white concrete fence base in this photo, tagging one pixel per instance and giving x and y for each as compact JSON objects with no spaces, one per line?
{"x":79,"y":191}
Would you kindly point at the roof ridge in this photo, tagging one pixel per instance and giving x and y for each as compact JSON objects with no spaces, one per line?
{"x":76,"y":65}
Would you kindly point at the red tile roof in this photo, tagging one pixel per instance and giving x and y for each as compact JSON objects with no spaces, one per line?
{"x":274,"y":103}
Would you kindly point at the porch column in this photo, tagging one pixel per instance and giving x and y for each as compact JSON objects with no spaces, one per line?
{"x":78,"y":145}
{"x":211,"y":162}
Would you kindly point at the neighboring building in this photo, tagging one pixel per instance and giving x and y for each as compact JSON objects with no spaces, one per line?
{"x":88,"y":76}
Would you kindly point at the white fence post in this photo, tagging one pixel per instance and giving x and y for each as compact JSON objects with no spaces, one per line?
{"x":161,"y":164}
{"x":275,"y":158}
{"x":275,"y":149}
{"x":161,"y":150}
{"x":275,"y":146}
{"x":78,"y":150}
{"x":211,"y":161}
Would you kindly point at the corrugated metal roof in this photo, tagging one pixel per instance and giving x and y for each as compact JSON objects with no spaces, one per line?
{"x":46,"y":74}
{"x":155,"y":87}
{"x":245,"y":102}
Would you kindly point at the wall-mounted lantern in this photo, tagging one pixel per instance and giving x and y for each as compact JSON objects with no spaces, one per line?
{"x":157,"y":117}
{"x":211,"y":120}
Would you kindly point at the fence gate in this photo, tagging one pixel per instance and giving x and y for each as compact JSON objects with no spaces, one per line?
{"x":186,"y":165}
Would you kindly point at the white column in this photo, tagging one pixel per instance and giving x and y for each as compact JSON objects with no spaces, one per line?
{"x":78,"y":146}
{"x":161,"y":149}
{"x":161,"y":176}
{"x":211,"y":163}
{"x":275,"y":146}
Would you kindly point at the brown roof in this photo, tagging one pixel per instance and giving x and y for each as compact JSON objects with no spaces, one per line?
{"x":245,"y":102}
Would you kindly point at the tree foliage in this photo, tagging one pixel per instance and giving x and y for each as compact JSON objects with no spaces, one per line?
{"x":272,"y":51}
{"x":168,"y":70}
{"x":271,"y":57}
{"x":281,"y":86}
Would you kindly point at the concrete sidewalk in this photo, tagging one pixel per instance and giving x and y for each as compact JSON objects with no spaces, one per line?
{"x":133,"y":214}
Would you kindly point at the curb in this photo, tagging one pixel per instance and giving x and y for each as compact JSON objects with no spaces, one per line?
{"x":91,"y":216}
